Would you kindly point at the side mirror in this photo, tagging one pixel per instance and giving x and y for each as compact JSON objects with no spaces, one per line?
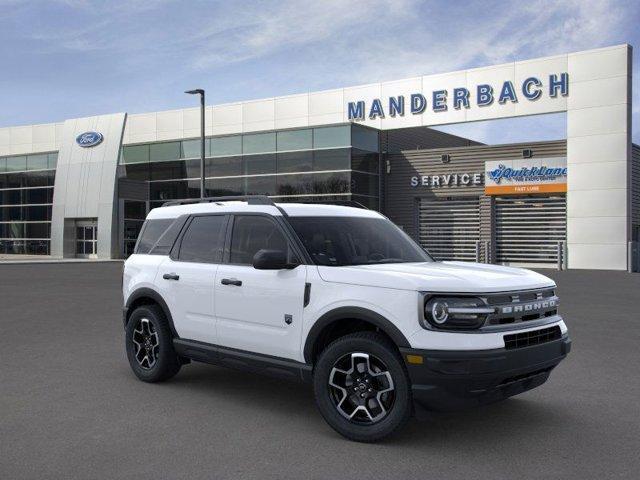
{"x":271,"y":260}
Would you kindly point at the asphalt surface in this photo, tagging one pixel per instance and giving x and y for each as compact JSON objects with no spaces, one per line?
{"x":70,"y":407}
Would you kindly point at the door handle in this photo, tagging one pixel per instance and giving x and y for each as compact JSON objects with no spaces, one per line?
{"x":171,"y":276}
{"x":231,"y":281}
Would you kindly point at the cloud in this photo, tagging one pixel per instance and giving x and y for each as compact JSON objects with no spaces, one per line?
{"x":259,"y":32}
{"x":269,"y":47}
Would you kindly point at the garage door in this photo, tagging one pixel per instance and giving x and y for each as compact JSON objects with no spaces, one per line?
{"x":528,"y":229}
{"x":449,"y":228}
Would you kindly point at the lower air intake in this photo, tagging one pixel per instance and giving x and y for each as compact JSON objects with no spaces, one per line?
{"x":534,"y":337}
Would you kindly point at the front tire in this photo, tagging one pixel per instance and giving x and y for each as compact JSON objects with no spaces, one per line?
{"x":149,"y":345}
{"x":362,"y":388}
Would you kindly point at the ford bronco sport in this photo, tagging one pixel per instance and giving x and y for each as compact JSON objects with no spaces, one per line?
{"x":339,"y":297}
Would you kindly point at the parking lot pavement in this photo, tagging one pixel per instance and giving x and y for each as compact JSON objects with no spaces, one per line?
{"x":70,"y":407}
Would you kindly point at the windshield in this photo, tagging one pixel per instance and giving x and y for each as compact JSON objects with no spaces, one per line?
{"x":340,"y":241}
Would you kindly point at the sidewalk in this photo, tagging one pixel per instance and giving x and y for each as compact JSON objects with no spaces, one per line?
{"x":16,"y":259}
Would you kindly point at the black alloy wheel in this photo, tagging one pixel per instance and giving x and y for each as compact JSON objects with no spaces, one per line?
{"x":361,"y":386}
{"x":149,"y":345}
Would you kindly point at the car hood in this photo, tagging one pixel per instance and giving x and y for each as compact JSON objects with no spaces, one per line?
{"x":461,"y":277}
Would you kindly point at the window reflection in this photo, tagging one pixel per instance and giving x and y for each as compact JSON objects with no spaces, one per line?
{"x":295,"y":140}
{"x":364,"y":161}
{"x":259,"y":143}
{"x":259,"y":164}
{"x":223,"y":166}
{"x":322,"y":183}
{"x":225,"y":186}
{"x":262,"y":185}
{"x":248,"y":164}
{"x":331,"y":159}
{"x":295,"y":162}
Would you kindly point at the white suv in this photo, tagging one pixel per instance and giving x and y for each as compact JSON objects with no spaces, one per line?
{"x":339,"y":297}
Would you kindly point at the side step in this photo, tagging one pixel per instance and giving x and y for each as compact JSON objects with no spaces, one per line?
{"x":242,"y":360}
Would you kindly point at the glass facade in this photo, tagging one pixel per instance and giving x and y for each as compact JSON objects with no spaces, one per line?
{"x":26,"y":196}
{"x":134,"y":214}
{"x":311,"y":164}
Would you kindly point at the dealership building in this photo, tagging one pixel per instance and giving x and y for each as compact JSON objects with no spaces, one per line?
{"x":82,"y":187}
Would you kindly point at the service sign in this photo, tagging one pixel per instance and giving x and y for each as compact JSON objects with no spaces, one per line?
{"x":522,"y":176}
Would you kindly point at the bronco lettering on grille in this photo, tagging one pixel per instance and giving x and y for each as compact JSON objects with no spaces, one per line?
{"x":528,"y":307}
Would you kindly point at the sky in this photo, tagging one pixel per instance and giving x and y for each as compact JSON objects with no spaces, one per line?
{"x":74,"y":58}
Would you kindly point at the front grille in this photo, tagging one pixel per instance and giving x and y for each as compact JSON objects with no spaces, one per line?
{"x":519,"y":307}
{"x":534,"y":337}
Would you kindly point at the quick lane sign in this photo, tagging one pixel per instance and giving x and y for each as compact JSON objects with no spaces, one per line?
{"x":482,"y":95}
{"x":543,"y":175}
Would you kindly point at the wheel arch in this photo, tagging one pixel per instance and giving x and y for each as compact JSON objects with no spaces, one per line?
{"x":147,"y":296}
{"x":330,"y":320}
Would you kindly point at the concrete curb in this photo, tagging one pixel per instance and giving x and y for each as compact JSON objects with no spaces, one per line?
{"x":57,"y":260}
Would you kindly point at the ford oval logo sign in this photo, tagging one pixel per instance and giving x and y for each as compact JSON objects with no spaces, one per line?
{"x":89,"y":139}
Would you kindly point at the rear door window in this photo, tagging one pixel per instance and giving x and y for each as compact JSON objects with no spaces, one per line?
{"x":203,"y":241}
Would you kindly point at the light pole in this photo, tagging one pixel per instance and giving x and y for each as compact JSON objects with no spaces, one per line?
{"x":200,"y":92}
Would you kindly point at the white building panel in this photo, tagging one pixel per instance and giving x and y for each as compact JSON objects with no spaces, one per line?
{"x":325,"y":119}
{"x":599,"y":148}
{"x":191,"y":121}
{"x":599,"y":63}
{"x":599,"y":256}
{"x":294,"y":106}
{"x":142,"y":124}
{"x":59,"y":127}
{"x":258,"y":115}
{"x":367,"y":93}
{"x":598,"y":93}
{"x":227,"y":119}
{"x":327,"y":102}
{"x":596,"y":203}
{"x":394,"y":89}
{"x":597,"y":120}
{"x":541,"y":69}
{"x":608,"y":230}
{"x":609,"y":175}
{"x":5,"y":137}
{"x":44,"y":133}
{"x":494,"y":76}
{"x":21,"y":135}
{"x":5,"y":141}
{"x":448,"y":82}
{"x":170,"y":122}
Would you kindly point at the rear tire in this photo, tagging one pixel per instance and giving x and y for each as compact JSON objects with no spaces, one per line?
{"x":149,"y":345}
{"x":362,"y":388}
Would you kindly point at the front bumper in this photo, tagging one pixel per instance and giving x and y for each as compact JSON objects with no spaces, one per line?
{"x":452,"y":380}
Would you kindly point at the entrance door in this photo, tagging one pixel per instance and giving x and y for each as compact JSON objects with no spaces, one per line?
{"x":87,"y":239}
{"x":259,"y":310}
{"x":450,"y":227}
{"x":528,"y":229}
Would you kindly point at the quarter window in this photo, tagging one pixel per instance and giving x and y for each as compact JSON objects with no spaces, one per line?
{"x":151,"y":233}
{"x":204,"y":240}
{"x":252,"y":233}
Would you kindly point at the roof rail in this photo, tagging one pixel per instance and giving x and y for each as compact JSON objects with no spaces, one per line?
{"x":342,"y":203}
{"x":250,"y":199}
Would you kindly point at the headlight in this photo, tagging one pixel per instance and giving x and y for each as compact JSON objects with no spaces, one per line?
{"x":455,"y":313}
